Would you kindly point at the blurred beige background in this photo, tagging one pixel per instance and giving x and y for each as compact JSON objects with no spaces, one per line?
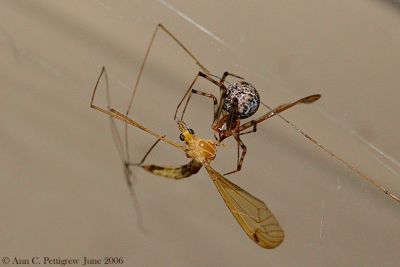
{"x":62,"y":187}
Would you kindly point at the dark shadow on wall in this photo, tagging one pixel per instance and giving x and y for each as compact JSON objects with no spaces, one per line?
{"x":393,"y":3}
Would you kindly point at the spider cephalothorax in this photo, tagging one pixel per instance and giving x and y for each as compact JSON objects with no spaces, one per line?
{"x":247,"y":97}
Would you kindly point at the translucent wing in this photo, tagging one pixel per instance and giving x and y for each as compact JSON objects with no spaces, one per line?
{"x":252,"y":214}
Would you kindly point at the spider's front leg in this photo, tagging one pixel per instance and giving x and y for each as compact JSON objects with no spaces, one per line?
{"x":188,"y":96}
{"x":253,"y":123}
{"x":226,"y":74}
{"x":218,"y":107}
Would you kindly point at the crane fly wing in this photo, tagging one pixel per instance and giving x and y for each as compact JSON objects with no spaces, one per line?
{"x":251,"y":213}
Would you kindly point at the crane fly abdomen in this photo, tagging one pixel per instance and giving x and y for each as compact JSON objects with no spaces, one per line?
{"x":175,"y":172}
{"x":247,"y":97}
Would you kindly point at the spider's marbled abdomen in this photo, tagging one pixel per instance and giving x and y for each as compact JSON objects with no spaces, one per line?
{"x":247,"y":96}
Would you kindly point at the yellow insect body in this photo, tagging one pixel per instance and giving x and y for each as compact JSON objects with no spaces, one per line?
{"x":201,"y":150}
{"x":252,"y":214}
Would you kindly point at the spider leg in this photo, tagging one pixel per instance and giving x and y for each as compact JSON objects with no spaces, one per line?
{"x":241,"y":159}
{"x":197,"y":92}
{"x":276,"y":111}
{"x":346,"y":163}
{"x":226,"y":74}
{"x":234,"y":121}
{"x":190,"y":91}
{"x":250,"y":131}
{"x":239,"y":129}
{"x":188,"y":95}
{"x":223,"y":95}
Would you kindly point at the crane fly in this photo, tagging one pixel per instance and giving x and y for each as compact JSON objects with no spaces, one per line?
{"x":250,"y":212}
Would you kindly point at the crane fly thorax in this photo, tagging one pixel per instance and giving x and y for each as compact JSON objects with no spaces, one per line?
{"x":202,"y":150}
{"x":207,"y":148}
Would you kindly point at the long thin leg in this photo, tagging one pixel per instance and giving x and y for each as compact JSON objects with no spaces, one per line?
{"x":244,"y":151}
{"x":344,"y":162}
{"x":124,"y":150}
{"x":175,"y":173}
{"x":162,"y":27}
{"x":276,"y":111}
{"x":147,"y":153}
{"x":130,"y":179}
{"x":120,"y":148}
{"x":234,"y":121}
{"x":220,"y":84}
{"x":114,"y":130}
{"x":116,"y":114}
{"x":223,"y":94}
{"x":239,"y":129}
{"x":226,"y":74}
{"x":204,"y":69}
{"x":197,"y":92}
{"x":186,"y":95}
{"x":189,"y":92}
{"x":190,"y":54}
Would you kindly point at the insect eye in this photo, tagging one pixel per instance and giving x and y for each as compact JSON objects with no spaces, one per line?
{"x":191,"y":131}
{"x":181,"y":137}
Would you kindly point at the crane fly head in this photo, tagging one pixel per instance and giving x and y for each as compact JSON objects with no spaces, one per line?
{"x":187,"y":134}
